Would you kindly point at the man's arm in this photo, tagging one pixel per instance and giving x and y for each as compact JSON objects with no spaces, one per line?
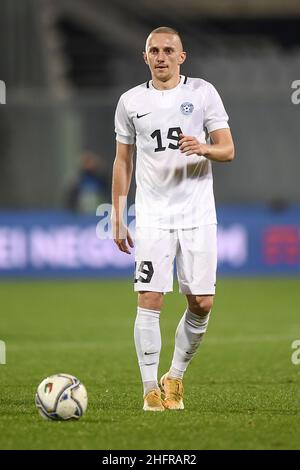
{"x":122,"y":173}
{"x":221,"y":150}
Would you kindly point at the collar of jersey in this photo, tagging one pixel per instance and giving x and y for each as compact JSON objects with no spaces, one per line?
{"x":182,"y":77}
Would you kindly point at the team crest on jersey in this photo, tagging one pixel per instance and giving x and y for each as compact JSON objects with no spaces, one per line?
{"x":187,"y":108}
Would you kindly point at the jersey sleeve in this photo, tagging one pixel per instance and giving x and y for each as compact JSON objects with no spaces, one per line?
{"x":124,"y":129}
{"x":215,"y":116}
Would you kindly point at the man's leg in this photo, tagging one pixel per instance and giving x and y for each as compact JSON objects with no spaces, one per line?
{"x":189,"y":334}
{"x":196,"y":269}
{"x":147,"y":340}
{"x":155,"y":252}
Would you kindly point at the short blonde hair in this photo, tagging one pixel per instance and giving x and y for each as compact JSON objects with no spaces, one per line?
{"x":166,"y":30}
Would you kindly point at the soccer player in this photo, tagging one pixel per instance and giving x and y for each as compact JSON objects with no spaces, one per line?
{"x":178,"y":126}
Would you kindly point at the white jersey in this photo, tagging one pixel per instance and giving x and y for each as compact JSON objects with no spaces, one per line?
{"x":173,"y":190}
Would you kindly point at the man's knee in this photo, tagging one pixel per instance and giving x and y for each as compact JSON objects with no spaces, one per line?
{"x":200,"y":304}
{"x":150,"y":300}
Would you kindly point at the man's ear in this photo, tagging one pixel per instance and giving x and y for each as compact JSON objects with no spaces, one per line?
{"x":182,"y":57}
{"x":145,"y":58}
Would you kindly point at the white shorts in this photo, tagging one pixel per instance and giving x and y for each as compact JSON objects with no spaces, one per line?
{"x":195,"y":251}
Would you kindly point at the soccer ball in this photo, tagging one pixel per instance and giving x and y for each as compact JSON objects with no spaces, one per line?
{"x":61,"y":397}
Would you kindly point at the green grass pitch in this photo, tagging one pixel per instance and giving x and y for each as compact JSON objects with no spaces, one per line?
{"x":241,"y":390}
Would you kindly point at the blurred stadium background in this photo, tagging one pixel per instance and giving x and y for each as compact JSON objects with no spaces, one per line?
{"x":65,"y":64}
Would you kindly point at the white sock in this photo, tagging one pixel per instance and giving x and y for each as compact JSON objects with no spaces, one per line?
{"x":189,"y":334}
{"x":147,"y":344}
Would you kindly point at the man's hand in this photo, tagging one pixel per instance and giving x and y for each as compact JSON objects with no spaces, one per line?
{"x":190,"y":145}
{"x":122,"y":237}
{"x":221,"y":149}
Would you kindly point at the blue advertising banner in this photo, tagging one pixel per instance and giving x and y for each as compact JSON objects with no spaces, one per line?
{"x":251,"y":241}
{"x":259,"y":241}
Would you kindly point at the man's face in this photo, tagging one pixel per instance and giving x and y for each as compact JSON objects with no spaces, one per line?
{"x":164,"y":55}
